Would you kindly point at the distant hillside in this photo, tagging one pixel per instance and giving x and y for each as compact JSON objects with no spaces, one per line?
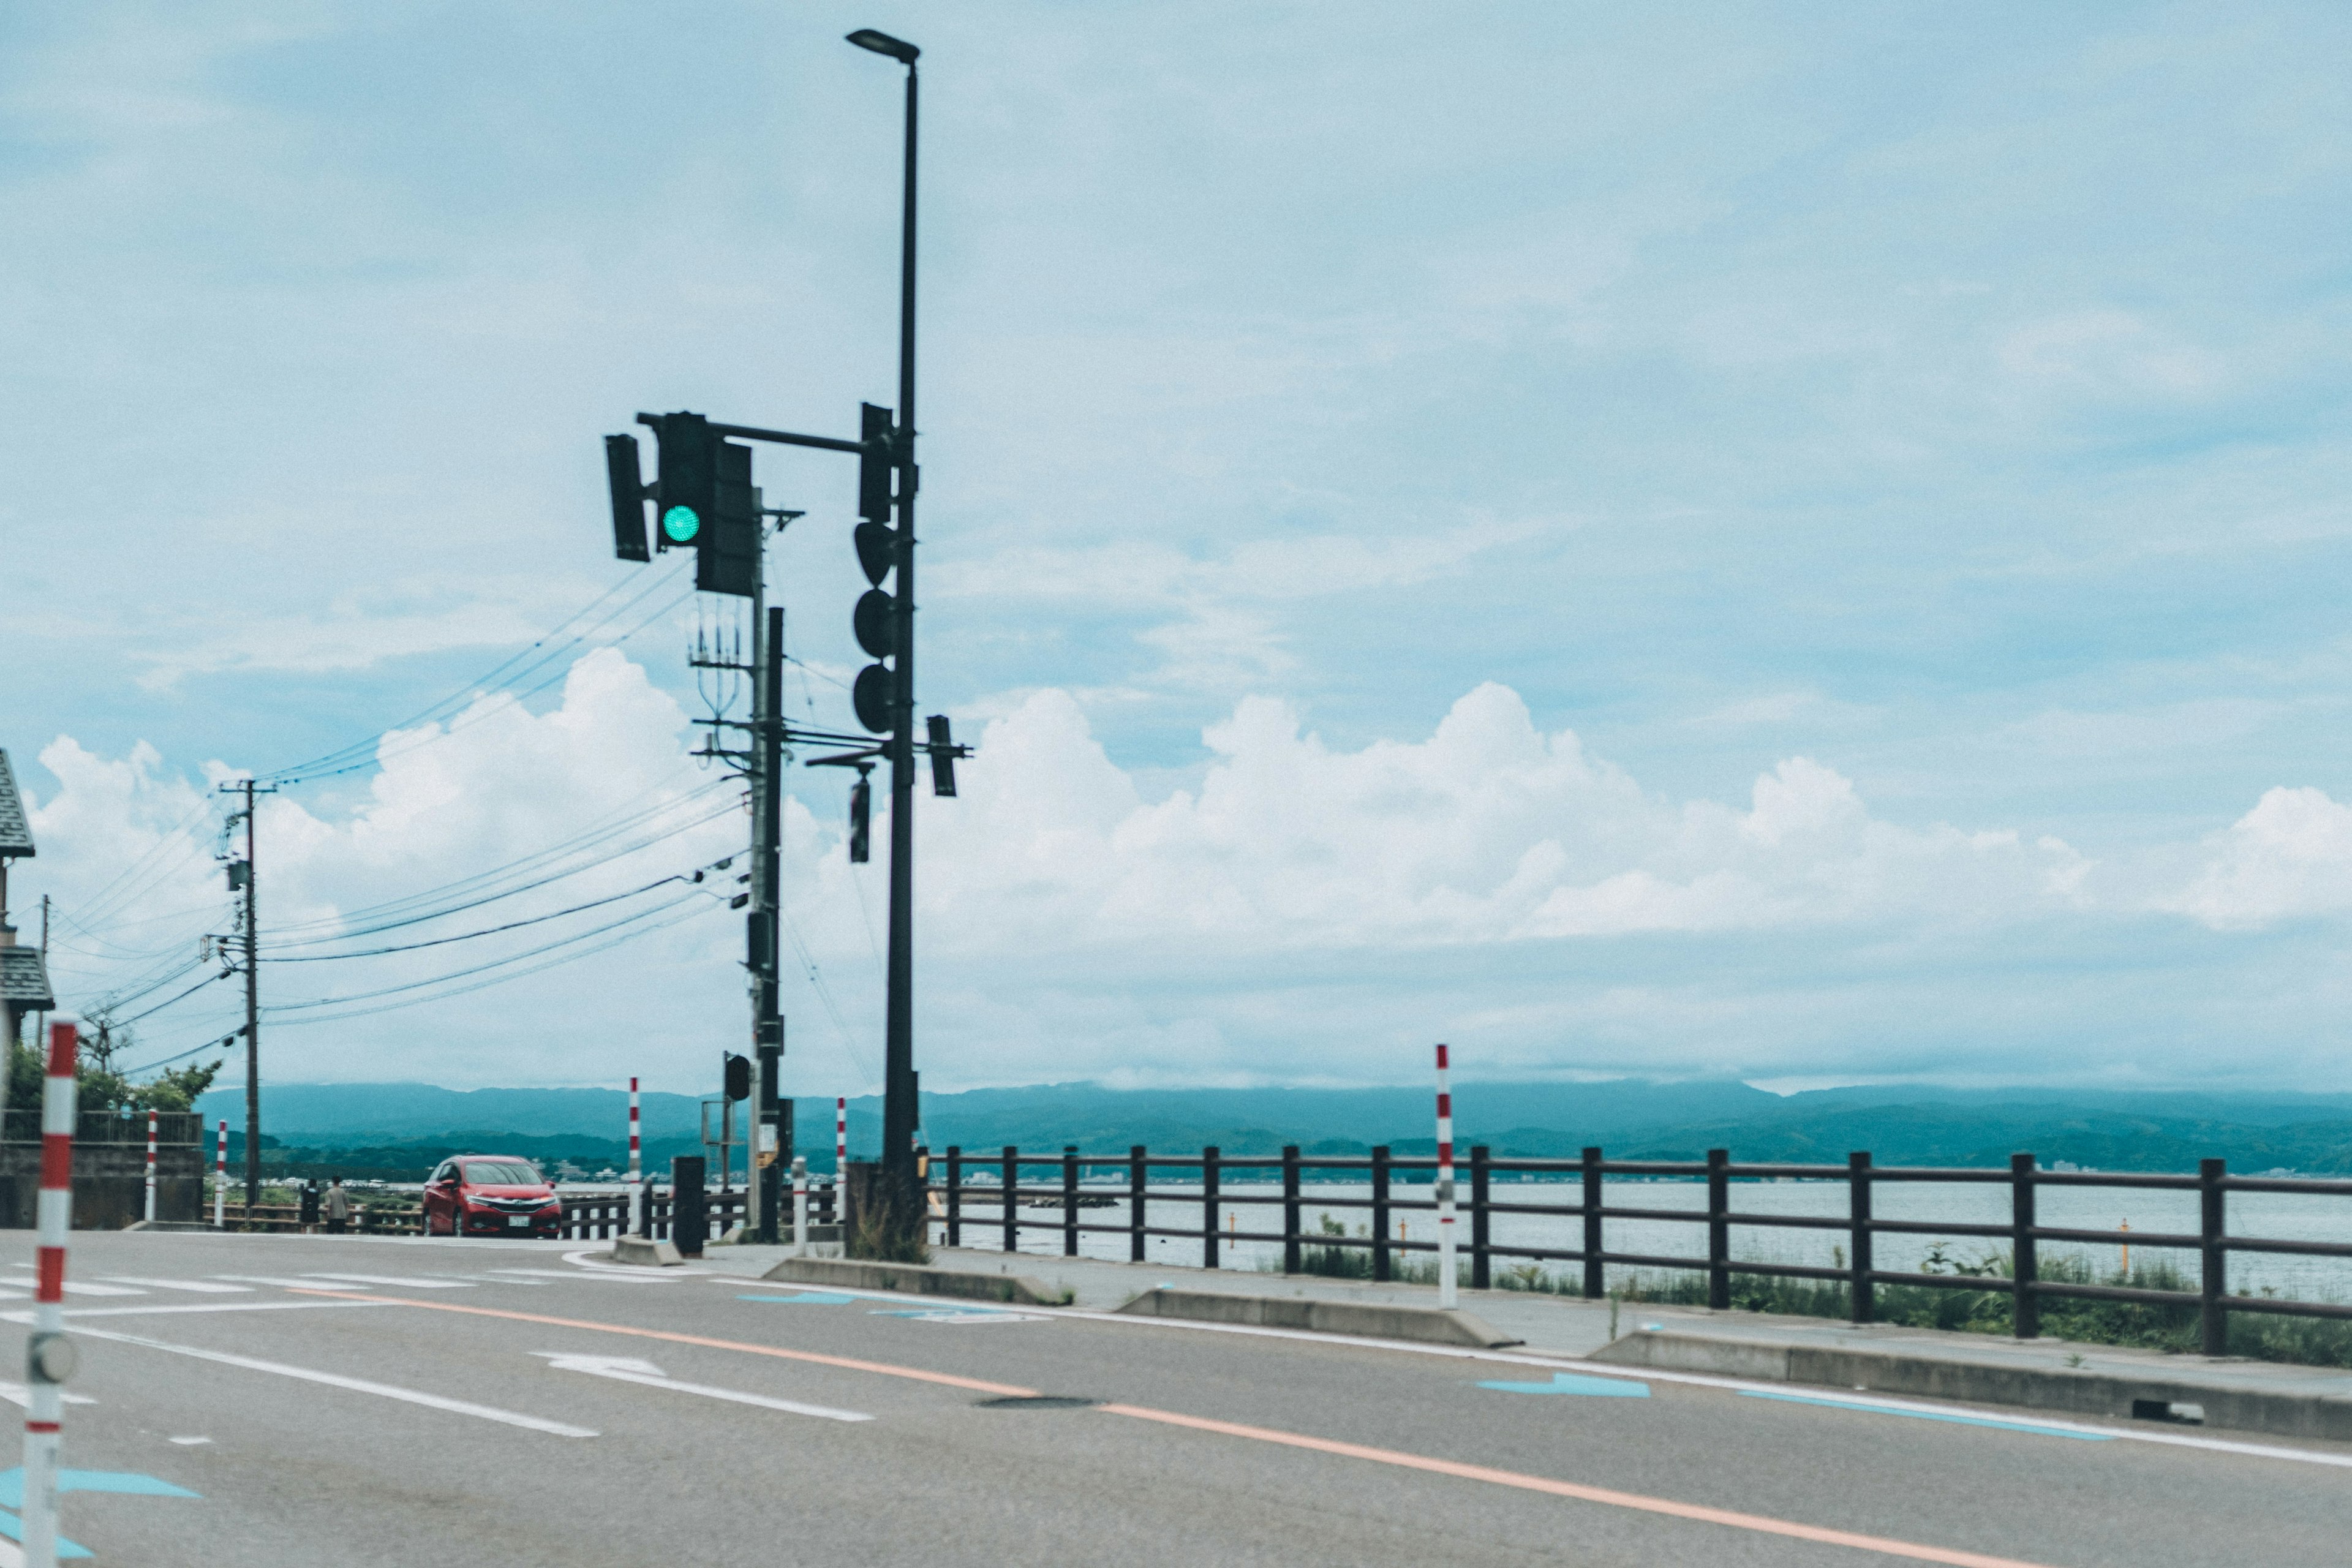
{"x":394,"y":1126}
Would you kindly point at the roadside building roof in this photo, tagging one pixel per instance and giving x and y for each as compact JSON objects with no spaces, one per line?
{"x":16,"y":832}
{"x":25,"y":979}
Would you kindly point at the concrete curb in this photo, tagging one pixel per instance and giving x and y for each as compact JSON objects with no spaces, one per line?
{"x":2109,"y":1394}
{"x":915,"y":1281}
{"x":644,"y":1254}
{"x":1370,"y":1320}
{"x":187,"y":1225}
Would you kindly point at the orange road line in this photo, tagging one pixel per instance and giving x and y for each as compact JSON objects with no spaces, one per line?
{"x":1754,"y":1521}
{"x":885,"y":1368}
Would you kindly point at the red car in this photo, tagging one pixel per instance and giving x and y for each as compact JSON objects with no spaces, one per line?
{"x":491,"y":1195}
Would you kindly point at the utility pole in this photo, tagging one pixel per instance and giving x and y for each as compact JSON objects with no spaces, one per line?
{"x":771,"y":1142}
{"x":241,"y":876}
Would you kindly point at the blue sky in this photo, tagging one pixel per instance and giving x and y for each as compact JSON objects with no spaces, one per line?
{"x":1947,"y":405}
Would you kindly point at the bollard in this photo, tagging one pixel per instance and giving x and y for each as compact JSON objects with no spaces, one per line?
{"x":220,"y":1177}
{"x":49,"y":1354}
{"x":800,"y":1206}
{"x":151,"y":1167}
{"x":639,"y":1210}
{"x":1446,"y":1286}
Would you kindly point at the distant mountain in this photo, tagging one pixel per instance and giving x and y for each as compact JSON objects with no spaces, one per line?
{"x":395,"y":1124}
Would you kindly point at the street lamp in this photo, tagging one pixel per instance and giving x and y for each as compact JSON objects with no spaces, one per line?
{"x":899,"y":1111}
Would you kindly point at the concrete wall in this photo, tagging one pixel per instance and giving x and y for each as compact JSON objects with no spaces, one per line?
{"x":110,"y":1185}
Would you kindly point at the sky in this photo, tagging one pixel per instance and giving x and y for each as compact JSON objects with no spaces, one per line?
{"x":1797,"y":542}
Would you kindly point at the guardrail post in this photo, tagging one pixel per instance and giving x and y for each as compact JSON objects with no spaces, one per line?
{"x":1012,"y":1198}
{"x":1380,"y":1212}
{"x":1857,"y":1179}
{"x":2024,"y":1266}
{"x":2213,"y":1255}
{"x":1138,"y":1183}
{"x":1480,"y":1265}
{"x":955,"y":1195}
{"x":1290,"y":1217}
{"x":1069,"y":1200}
{"x":1719,"y":1230}
{"x":1209,"y":1207}
{"x":1596,"y":1274}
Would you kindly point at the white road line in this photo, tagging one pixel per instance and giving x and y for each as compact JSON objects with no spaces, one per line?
{"x":586,"y":1258}
{"x":206,"y":1287}
{"x":78,"y":1313}
{"x":412,"y":1283}
{"x":355,"y":1384}
{"x":15,"y":1393}
{"x":291,"y":1281}
{"x":605,"y":1274}
{"x":81,"y":1288}
{"x":626,"y":1369}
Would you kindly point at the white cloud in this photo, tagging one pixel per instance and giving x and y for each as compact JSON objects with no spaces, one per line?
{"x":2289,"y":856}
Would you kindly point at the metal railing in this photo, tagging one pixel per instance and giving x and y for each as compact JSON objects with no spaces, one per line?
{"x":2025,"y":1285}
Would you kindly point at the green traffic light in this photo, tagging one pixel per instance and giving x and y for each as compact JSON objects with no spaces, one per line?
{"x":681,"y":523}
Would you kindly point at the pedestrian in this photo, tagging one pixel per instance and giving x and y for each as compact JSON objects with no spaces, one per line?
{"x":307,"y":1215}
{"x":338,"y":1208}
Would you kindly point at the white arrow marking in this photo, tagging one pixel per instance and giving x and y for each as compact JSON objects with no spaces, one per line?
{"x":626,"y":1369}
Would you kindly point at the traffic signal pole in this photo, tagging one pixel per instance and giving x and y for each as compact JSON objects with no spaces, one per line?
{"x":901,"y":1113}
{"x":772,"y":1112}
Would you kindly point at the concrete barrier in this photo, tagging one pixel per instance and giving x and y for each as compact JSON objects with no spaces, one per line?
{"x":2219,"y":1400}
{"x":915,"y":1279}
{"x":637,"y":1250}
{"x":1370,"y":1320}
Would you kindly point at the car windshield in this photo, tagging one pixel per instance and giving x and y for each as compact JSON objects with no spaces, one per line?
{"x":502,"y":1173}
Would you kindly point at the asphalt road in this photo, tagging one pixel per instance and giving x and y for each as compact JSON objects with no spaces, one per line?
{"x":474,"y":1411}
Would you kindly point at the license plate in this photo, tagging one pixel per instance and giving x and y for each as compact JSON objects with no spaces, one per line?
{"x":517,"y":1220}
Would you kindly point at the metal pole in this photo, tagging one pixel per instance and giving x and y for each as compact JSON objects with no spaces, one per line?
{"x":900,"y":1115}
{"x":773,"y":1119}
{"x":1446,"y":1286}
{"x":49,"y":1354}
{"x":151,"y":1167}
{"x":252,"y":1016}
{"x":220,"y":1176}
{"x":799,"y":1208}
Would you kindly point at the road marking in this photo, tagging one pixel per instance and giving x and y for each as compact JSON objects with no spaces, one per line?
{"x":1700,"y":1380}
{"x":623,"y":1369}
{"x":806,"y":1298}
{"x":1569,"y":1383}
{"x":586,"y":1258}
{"x":1760,"y":1523}
{"x":407,"y":1284}
{"x":956,"y":1315}
{"x":289,"y":1281}
{"x":11,"y":1484}
{"x":190,"y":1442}
{"x":15,"y":1394}
{"x":355,"y":1384}
{"x":610,"y":1276}
{"x":885,"y":1369}
{"x":203,"y":1287}
{"x":81,"y":1288}
{"x":2037,"y":1428}
{"x":78,"y":1313}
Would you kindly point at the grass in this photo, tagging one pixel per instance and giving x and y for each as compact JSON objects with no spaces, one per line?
{"x":2304,"y":1342}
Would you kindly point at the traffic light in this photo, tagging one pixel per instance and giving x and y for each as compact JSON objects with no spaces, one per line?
{"x":942,"y":757}
{"x":628,"y":487}
{"x":687,"y":495}
{"x":729,"y":559}
{"x":876,"y":619}
{"x":861,"y":821}
{"x":739,"y":1076}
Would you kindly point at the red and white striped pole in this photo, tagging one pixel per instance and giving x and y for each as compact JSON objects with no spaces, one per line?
{"x":220,"y":1177}
{"x":1445,"y":1297}
{"x":636,"y":1169}
{"x":150,"y":1166}
{"x":840,"y":1153}
{"x":49,"y":1354}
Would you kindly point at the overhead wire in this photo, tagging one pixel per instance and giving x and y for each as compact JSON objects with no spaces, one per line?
{"x":493,"y":931}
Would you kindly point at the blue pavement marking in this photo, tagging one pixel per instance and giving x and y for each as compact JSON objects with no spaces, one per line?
{"x":11,"y":1527}
{"x":1956,"y":1419}
{"x":958,"y":1315}
{"x":806,"y":1298}
{"x":1571,"y":1382}
{"x":11,"y":1484}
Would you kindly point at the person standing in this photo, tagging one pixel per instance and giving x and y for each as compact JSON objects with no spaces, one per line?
{"x":338,"y":1208}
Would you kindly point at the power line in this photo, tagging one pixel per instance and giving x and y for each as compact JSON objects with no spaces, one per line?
{"x":491,"y":930}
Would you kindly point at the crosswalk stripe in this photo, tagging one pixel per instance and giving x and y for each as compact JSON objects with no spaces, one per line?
{"x":206,"y":1287}
{"x":413,"y":1284}
{"x":79,"y":1287}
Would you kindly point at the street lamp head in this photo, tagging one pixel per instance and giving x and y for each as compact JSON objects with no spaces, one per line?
{"x":884,"y":44}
